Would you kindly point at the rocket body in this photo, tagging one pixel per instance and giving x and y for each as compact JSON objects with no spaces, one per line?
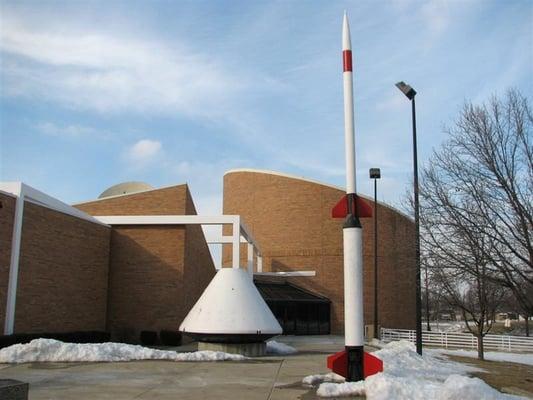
{"x":352,"y":230}
{"x":349,"y":132}
{"x":352,"y":363}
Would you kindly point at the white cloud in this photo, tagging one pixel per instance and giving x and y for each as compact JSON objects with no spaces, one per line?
{"x":68,"y":131}
{"x":393,"y":101}
{"x":143,"y":151}
{"x":110,"y":73}
{"x":436,"y":14}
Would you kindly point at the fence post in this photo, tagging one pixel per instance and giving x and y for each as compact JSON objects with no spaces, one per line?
{"x":509,"y":339}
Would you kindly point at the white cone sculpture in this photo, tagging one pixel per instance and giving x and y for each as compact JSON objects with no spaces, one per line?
{"x":231,"y":310}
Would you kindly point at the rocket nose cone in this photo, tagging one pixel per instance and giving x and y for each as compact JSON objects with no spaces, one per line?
{"x":346,"y":42}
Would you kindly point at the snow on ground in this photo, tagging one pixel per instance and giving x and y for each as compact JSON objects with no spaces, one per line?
{"x":458,"y":326}
{"x":408,"y":375}
{"x":273,"y":347}
{"x":41,"y":350}
{"x":314,"y":379}
{"x":519,"y":358}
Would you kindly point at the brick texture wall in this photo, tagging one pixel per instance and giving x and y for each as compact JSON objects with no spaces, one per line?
{"x":156,"y":272}
{"x":63,"y":266}
{"x":7,"y":213}
{"x":291,"y":220}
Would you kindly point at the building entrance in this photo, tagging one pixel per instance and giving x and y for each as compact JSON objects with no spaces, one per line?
{"x":298,"y":311}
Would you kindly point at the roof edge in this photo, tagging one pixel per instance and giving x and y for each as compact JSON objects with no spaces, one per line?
{"x":128,"y":194}
{"x":304,"y":179}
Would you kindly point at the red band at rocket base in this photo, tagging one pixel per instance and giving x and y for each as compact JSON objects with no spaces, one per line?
{"x":347,"y":60}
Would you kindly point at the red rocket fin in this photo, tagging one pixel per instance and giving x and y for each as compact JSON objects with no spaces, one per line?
{"x":364,"y":210}
{"x":338,"y":363}
{"x":372,"y":365}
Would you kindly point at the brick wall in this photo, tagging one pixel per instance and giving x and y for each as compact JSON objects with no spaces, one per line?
{"x":145,"y":280}
{"x":291,"y":220}
{"x":7,"y":213}
{"x":156,"y":272}
{"x":63,"y":266}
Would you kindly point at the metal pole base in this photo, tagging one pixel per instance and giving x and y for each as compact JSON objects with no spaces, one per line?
{"x":355,"y":363}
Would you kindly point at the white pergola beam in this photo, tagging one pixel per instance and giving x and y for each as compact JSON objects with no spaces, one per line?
{"x":222,"y":239}
{"x":289,"y":273}
{"x":238,"y":228}
{"x":168,"y":219}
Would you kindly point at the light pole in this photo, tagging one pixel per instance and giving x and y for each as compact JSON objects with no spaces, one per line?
{"x":375,"y":174}
{"x":410,"y":93}
{"x":428,"y":327}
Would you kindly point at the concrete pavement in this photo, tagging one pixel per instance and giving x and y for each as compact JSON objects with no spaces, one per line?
{"x":271,"y":377}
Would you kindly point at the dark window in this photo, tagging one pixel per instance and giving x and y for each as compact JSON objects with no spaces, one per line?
{"x":298,"y":311}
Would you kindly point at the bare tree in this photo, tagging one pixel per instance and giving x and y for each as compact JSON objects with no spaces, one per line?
{"x":478,"y":189}
{"x":457,"y":255}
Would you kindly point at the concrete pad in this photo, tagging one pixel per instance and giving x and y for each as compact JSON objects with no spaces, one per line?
{"x":246,"y":349}
{"x":269,"y":377}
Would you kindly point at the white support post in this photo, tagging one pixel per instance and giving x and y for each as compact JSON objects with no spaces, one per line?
{"x":236,"y":253}
{"x":9,"y":324}
{"x":250,"y":264}
{"x":259,"y":263}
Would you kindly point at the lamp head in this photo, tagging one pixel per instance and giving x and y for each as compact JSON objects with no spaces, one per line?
{"x":406,"y":89}
{"x":375,"y":173}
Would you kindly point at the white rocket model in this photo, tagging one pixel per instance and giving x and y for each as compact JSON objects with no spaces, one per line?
{"x":351,"y":362}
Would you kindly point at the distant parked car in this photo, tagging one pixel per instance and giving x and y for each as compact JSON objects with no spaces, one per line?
{"x":507,"y":315}
{"x":447,"y":316}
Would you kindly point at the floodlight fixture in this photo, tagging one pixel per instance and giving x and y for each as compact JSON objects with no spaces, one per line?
{"x":375,"y":173}
{"x":406,"y":89}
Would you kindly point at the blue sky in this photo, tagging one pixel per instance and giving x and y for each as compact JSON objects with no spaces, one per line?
{"x":98,"y":92}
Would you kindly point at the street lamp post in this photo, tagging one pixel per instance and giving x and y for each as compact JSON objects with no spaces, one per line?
{"x":375,"y":174}
{"x":410,"y":93}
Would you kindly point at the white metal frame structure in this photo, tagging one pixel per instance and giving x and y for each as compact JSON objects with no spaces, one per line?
{"x":240,"y":233}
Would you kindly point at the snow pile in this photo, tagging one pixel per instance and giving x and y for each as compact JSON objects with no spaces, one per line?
{"x":273,"y":347}
{"x":383,"y":387}
{"x":341,"y":389}
{"x":312,"y":380}
{"x":377,"y":343}
{"x":526,"y":359}
{"x":408,"y":375}
{"x":40,"y":350}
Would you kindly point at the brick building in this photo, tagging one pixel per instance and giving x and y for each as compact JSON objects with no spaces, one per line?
{"x":63,"y":268}
{"x":291,"y":219}
{"x":76,"y":273}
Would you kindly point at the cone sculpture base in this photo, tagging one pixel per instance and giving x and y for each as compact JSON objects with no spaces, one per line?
{"x":256,"y":349}
{"x":229,"y":338}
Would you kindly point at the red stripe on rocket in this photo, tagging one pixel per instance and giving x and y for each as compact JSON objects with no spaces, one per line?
{"x":347,"y":60}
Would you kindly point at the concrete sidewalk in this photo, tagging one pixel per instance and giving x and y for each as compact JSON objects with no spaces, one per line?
{"x":272,"y":377}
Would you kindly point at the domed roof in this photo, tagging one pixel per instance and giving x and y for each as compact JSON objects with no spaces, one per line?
{"x":125,"y":188}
